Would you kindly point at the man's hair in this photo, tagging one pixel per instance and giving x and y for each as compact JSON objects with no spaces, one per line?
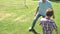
{"x":49,"y":12}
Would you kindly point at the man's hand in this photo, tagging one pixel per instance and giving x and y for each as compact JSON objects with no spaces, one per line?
{"x":53,"y":16}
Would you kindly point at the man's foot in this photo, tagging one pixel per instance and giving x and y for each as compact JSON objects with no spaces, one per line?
{"x":30,"y":29}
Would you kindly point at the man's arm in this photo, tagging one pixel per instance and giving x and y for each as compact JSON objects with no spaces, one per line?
{"x":50,"y":6}
{"x":37,"y":10}
{"x":53,"y":13}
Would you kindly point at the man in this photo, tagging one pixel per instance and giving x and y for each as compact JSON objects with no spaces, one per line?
{"x":41,"y":11}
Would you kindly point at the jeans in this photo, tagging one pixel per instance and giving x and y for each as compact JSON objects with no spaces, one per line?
{"x":35,"y":19}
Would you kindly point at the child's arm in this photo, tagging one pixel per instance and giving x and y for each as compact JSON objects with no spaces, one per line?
{"x":56,"y":29}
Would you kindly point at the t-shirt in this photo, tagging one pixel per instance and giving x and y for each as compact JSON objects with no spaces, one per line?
{"x":43,"y":7}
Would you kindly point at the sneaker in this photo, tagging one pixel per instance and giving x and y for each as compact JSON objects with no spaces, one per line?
{"x":30,"y":29}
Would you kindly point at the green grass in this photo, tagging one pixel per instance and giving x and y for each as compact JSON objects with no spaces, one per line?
{"x":15,"y":18}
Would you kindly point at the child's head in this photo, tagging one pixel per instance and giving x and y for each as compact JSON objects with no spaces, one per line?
{"x":49,"y":12}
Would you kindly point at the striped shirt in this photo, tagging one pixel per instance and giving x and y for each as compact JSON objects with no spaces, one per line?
{"x":47,"y":25}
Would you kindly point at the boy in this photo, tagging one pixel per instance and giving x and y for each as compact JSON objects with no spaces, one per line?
{"x":48,"y":25}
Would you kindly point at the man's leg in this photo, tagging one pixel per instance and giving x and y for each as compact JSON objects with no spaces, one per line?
{"x":34,"y":22}
{"x":34,"y":31}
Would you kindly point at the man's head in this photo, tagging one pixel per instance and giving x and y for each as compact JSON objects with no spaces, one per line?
{"x":49,"y":12}
{"x":43,"y":1}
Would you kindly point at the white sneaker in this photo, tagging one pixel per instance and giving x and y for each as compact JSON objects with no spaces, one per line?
{"x":30,"y":29}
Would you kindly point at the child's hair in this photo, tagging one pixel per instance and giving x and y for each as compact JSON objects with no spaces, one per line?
{"x":49,"y":12}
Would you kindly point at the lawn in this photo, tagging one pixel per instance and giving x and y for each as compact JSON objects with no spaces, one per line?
{"x":15,"y":18}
